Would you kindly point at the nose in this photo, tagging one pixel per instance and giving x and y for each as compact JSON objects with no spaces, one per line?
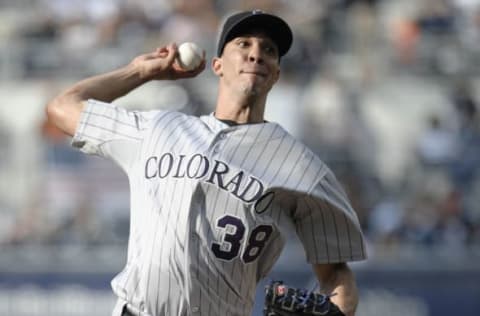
{"x":255,"y":54}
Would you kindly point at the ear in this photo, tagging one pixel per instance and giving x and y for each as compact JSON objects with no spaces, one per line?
{"x":217,"y":66}
{"x":276,"y":76}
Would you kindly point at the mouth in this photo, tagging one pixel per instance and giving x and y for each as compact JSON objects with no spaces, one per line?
{"x":254,"y":72}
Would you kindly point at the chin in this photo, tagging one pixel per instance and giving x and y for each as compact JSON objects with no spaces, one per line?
{"x":251,"y":93}
{"x":250,"y":90}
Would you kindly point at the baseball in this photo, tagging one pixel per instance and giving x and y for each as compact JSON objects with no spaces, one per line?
{"x":189,"y":56}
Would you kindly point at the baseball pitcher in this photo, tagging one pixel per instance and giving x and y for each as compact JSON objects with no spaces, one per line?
{"x":214,"y":197}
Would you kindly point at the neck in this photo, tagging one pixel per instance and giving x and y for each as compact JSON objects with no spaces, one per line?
{"x":240,"y":110}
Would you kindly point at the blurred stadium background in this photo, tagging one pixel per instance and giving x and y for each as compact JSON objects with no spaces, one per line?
{"x":386,"y":92}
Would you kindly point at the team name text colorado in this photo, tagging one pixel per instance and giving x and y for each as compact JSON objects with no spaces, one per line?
{"x":200,"y":167}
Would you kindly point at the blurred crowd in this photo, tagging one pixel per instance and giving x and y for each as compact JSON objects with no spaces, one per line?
{"x":386,"y":93}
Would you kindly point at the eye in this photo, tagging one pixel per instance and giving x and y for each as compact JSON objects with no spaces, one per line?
{"x":242,"y":43}
{"x":270,"y":50}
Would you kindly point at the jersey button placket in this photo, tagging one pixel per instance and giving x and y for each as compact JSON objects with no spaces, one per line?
{"x":143,"y":308}
{"x":221,"y":136}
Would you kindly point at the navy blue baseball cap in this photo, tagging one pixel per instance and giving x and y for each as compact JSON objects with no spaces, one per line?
{"x":240,"y":23}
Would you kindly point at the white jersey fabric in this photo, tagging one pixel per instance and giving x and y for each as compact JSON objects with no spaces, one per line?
{"x":211,"y":206}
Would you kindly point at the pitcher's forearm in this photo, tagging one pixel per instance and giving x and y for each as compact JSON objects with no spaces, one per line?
{"x":107,"y":87}
{"x":65,"y":109}
{"x":339,"y":279}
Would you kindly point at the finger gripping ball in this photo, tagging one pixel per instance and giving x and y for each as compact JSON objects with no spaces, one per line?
{"x":189,"y":56}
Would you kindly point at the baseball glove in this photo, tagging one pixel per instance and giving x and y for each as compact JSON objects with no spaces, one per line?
{"x":281,"y":300}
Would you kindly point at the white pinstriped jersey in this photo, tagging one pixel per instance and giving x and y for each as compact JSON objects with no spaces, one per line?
{"x":211,"y":206}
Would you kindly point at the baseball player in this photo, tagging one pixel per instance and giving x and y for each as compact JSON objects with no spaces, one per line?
{"x":214,"y":197}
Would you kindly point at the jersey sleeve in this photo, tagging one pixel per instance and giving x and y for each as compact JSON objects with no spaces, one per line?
{"x":111,"y":132}
{"x":327,"y":225}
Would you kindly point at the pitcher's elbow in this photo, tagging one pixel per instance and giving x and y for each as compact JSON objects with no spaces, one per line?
{"x":54,"y":111}
{"x":64,"y":111}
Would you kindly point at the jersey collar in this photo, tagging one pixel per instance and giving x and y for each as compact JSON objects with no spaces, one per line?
{"x":218,"y":124}
{"x":260,"y":131}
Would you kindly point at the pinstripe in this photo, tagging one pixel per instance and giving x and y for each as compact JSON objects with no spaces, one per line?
{"x":194,"y":141}
{"x":213,"y":214}
{"x":153,"y":243}
{"x":217,"y":195}
{"x":117,"y":122}
{"x":103,"y":116}
{"x":305,"y":170}
{"x":160,"y":236}
{"x":312,"y":225}
{"x":199,"y":262}
{"x":85,"y":117}
{"x":240,"y":142}
{"x":294,"y":169}
{"x":238,"y":206}
{"x":85,"y":124}
{"x":285,"y":182}
{"x":281,"y":164}
{"x":274,"y":154}
{"x":349,"y":237}
{"x":167,"y":226}
{"x":223,"y":263}
{"x":317,"y":176}
{"x":139,"y":237}
{"x":250,"y":147}
{"x":324,"y":230}
{"x":334,"y":190}
{"x":278,"y":247}
{"x":260,"y":153}
{"x":125,"y":123}
{"x":144,"y":263}
{"x":138,"y":231}
{"x":263,"y":150}
{"x":92,"y":138}
{"x":277,"y":172}
{"x":150,"y":265}
{"x":313,"y":236}
{"x":262,"y":175}
{"x":172,"y":204}
{"x":232,"y":272}
{"x":363,"y":255}
{"x":238,"y":274}
{"x":332,"y":213}
{"x":198,"y":257}
{"x":113,"y":131}
{"x":156,"y":129}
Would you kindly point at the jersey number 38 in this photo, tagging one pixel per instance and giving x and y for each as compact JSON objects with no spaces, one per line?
{"x":233,"y":234}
